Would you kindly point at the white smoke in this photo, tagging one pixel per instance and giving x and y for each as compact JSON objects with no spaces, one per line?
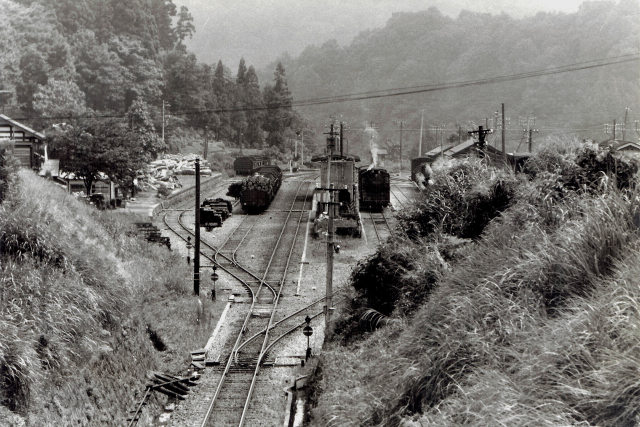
{"x":370,"y":136}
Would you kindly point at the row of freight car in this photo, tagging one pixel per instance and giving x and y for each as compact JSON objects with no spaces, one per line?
{"x":257,"y":190}
{"x":213,"y":212}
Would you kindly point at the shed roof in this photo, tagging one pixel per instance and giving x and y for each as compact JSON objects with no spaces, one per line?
{"x":25,"y":128}
{"x":620,"y":145}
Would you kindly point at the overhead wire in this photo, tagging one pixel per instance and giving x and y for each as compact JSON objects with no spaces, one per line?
{"x":393,"y":92}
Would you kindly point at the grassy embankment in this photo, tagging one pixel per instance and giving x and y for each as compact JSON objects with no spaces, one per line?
{"x":501,"y":300}
{"x":86,"y":310}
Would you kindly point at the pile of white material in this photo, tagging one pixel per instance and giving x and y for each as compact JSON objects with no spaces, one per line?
{"x":162,"y":172}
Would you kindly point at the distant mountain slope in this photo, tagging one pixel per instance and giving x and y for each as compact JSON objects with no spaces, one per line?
{"x":431,"y":48}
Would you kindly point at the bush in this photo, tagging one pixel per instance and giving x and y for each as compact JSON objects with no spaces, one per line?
{"x":461,"y":201}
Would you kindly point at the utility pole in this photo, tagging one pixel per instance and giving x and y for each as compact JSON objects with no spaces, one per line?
{"x":624,"y":127}
{"x":342,"y":140}
{"x":527,"y":128}
{"x":401,"y":123}
{"x":196,"y":254}
{"x":439,"y":128}
{"x":504,"y":151}
{"x":614,"y":129}
{"x":206,"y":143}
{"x":459,"y":134}
{"x":331,"y":141}
{"x":421,"y":126}
{"x":482,"y":133}
{"x":163,"y":121}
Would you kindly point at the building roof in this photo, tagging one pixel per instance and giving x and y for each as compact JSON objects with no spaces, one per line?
{"x":25,"y":128}
{"x":620,"y":145}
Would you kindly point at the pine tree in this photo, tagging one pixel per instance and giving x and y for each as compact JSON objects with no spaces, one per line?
{"x":184,"y":27}
{"x":253,"y":134}
{"x":278,"y":100}
{"x":221,"y":90}
{"x":238,"y":117}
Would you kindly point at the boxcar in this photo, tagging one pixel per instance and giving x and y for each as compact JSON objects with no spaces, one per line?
{"x":375,"y":188}
{"x":248,"y":164}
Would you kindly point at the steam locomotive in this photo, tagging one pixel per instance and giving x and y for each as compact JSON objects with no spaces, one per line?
{"x":375,"y":188}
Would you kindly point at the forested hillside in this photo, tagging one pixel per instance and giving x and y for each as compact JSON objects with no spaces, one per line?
{"x":67,"y":59}
{"x":431,"y":48}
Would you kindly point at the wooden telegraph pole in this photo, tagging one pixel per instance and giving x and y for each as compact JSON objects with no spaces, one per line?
{"x":504,"y":150}
{"x":196,"y":254}
{"x":331,"y":141}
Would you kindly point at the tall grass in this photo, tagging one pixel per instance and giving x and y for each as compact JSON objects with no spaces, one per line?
{"x":76,"y":292}
{"x":535,"y":324}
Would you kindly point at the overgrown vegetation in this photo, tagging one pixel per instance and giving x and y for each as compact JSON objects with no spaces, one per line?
{"x":77,"y":296}
{"x":530,"y":322}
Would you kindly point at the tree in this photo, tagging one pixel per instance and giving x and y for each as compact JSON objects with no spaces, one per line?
{"x":79,"y":151}
{"x":238,"y":117}
{"x":253,"y":102}
{"x":95,"y":147}
{"x":278,"y":100}
{"x":100,"y":73}
{"x":59,"y":99}
{"x":222,"y":90}
{"x":184,"y":27}
{"x":163,"y":11}
{"x":141,"y":125}
{"x":33,"y":73}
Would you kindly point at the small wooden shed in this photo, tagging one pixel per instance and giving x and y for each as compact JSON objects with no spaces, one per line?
{"x":26,"y":143}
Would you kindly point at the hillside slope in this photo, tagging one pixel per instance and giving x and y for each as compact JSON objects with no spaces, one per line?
{"x":501,"y":300}
{"x":81,"y":302}
{"x":429,"y":48}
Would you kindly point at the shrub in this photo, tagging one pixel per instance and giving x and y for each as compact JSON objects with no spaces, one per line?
{"x":461,"y":202}
{"x":8,"y":168}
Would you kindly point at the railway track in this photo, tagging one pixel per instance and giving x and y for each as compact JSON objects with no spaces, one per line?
{"x":378,"y":219}
{"x":236,"y":376}
{"x":231,"y":401}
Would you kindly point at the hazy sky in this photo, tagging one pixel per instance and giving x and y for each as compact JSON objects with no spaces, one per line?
{"x":260,"y":30}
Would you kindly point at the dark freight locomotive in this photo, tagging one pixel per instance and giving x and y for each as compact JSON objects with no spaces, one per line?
{"x":259,"y":190}
{"x":375,"y":189}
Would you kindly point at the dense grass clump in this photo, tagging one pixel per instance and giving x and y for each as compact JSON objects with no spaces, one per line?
{"x":462,"y":200}
{"x":534,"y":322}
{"x":77,"y":294}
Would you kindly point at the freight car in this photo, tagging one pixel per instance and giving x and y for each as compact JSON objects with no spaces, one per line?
{"x":213,"y":212}
{"x":375,"y":188}
{"x":259,"y":190}
{"x":248,"y":164}
{"x":223,"y":206}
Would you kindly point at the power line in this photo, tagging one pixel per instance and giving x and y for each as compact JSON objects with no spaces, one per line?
{"x":392,"y":92}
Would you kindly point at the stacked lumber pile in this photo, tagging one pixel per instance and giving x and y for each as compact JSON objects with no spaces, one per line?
{"x":258,"y":183}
